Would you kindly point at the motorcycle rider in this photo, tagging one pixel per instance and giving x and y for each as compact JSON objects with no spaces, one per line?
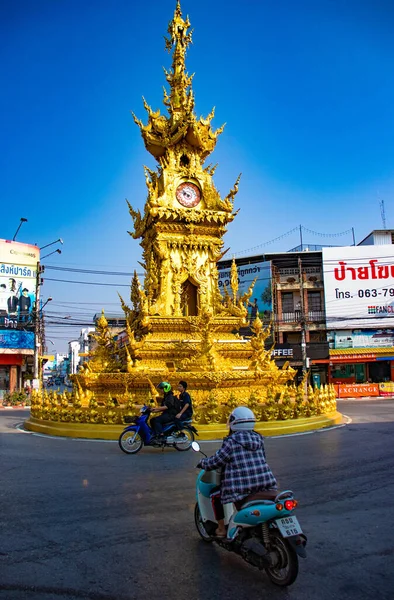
{"x":186,"y":411}
{"x":168,"y":409}
{"x":244,"y":467}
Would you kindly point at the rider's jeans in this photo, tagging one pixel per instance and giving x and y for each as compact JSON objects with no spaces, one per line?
{"x":158,"y":422}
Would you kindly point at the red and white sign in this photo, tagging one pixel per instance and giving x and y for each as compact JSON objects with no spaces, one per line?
{"x":359,"y":286}
{"x":357,"y":390}
{"x":352,"y":357}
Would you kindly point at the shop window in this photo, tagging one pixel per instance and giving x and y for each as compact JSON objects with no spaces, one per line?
{"x":314,"y":301}
{"x":293,"y":337}
{"x":287,"y":302}
{"x":317,"y":336}
{"x":379,"y":371}
{"x":343,"y":372}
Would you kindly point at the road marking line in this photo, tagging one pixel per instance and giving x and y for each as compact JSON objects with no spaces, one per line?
{"x":19,"y":427}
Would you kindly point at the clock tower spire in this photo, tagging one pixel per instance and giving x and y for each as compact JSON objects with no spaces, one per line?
{"x":184,"y":217}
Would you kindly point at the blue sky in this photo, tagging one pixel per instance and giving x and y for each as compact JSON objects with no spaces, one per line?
{"x":306,"y":89}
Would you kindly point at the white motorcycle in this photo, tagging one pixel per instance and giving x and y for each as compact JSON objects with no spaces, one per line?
{"x":264,"y":531}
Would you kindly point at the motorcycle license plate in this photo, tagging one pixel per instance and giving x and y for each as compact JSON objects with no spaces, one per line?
{"x":289,"y":526}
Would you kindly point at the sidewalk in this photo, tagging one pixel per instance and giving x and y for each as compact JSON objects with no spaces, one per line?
{"x":14,"y":407}
{"x":366,"y":398}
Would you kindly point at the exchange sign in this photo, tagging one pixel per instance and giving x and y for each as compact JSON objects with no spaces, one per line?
{"x":359,"y":286}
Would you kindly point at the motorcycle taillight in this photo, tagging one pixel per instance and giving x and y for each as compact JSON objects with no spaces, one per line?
{"x":290,"y":504}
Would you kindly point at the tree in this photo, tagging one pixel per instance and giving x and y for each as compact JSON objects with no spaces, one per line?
{"x":266,"y":296}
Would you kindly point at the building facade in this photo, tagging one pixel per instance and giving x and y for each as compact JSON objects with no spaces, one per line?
{"x":19,"y":264}
{"x":332,"y":312}
{"x":378,"y":237}
{"x":290,"y":291}
{"x":298,"y":311}
{"x":359,"y":300}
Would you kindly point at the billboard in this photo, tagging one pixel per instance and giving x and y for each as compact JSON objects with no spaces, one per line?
{"x":359,"y":286}
{"x":18,"y":271}
{"x":368,"y":338}
{"x":15,"y":339}
{"x":260,"y":300}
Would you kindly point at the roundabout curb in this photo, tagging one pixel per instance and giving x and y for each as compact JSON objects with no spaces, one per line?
{"x":206,"y":432}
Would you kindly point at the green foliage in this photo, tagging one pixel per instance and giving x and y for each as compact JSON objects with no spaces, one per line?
{"x":266,"y":296}
{"x":16,"y":398}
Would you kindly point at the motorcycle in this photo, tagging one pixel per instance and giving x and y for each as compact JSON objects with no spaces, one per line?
{"x":264,"y":532}
{"x":140,"y":434}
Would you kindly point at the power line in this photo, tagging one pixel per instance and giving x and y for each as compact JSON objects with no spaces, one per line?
{"x":94,"y":272}
{"x":299,"y":228}
{"x":89,"y":282}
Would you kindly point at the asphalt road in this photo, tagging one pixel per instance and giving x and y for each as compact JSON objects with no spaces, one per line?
{"x":82,"y":520}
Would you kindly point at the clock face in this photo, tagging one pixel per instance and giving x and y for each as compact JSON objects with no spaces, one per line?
{"x":188,"y":194}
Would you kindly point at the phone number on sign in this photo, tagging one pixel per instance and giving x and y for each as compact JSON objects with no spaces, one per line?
{"x":373,"y":293}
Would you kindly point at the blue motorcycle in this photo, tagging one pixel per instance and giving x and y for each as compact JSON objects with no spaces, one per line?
{"x":264,"y":531}
{"x":139,"y":433}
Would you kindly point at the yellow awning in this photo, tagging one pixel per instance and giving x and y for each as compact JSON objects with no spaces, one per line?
{"x":341,"y":351}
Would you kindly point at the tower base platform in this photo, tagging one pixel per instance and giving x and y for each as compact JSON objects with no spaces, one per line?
{"x":206,"y":432}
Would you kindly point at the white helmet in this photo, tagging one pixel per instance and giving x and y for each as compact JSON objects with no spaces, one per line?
{"x":241,"y":419}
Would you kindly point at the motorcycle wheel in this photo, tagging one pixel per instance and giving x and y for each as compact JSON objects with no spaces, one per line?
{"x":130,"y":442}
{"x":200,"y":525}
{"x":186,"y":437}
{"x":286,"y":570}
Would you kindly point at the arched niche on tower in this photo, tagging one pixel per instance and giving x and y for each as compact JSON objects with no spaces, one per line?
{"x":189,"y":298}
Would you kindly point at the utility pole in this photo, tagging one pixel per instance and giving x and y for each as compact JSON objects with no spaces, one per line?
{"x":37,"y":326}
{"x":303,"y":327}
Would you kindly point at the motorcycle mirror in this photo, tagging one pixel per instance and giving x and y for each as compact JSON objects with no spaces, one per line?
{"x":196,"y":446}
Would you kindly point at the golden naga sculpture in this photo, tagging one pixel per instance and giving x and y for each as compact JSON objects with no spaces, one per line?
{"x":178,"y":324}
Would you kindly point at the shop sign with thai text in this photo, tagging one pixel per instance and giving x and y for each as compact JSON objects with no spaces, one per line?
{"x":18,"y":271}
{"x":359,"y":286}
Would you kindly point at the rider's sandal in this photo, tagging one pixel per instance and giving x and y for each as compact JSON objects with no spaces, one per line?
{"x":220,"y":535}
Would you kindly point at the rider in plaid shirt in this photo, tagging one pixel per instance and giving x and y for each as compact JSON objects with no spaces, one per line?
{"x":242,"y":459}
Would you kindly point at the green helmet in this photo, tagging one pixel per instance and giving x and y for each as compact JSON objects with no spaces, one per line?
{"x":165,"y":386}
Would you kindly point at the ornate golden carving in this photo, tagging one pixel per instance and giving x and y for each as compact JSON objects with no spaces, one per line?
{"x":179,"y":325}
{"x":102,"y":359}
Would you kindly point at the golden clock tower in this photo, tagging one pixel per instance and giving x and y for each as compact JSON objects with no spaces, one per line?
{"x":180,"y":322}
{"x":179,"y":326}
{"x":184,"y":218}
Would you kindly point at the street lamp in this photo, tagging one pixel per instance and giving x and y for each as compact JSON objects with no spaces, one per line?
{"x":46,"y":302}
{"x":55,"y":242}
{"x":20,"y":225}
{"x":58,"y":251}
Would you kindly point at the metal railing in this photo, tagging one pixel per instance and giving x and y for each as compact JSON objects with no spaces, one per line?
{"x":314,"y":316}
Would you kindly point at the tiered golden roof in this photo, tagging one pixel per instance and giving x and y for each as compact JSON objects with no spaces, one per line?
{"x":185,"y":217}
{"x":162,"y":132}
{"x":179,"y":325}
